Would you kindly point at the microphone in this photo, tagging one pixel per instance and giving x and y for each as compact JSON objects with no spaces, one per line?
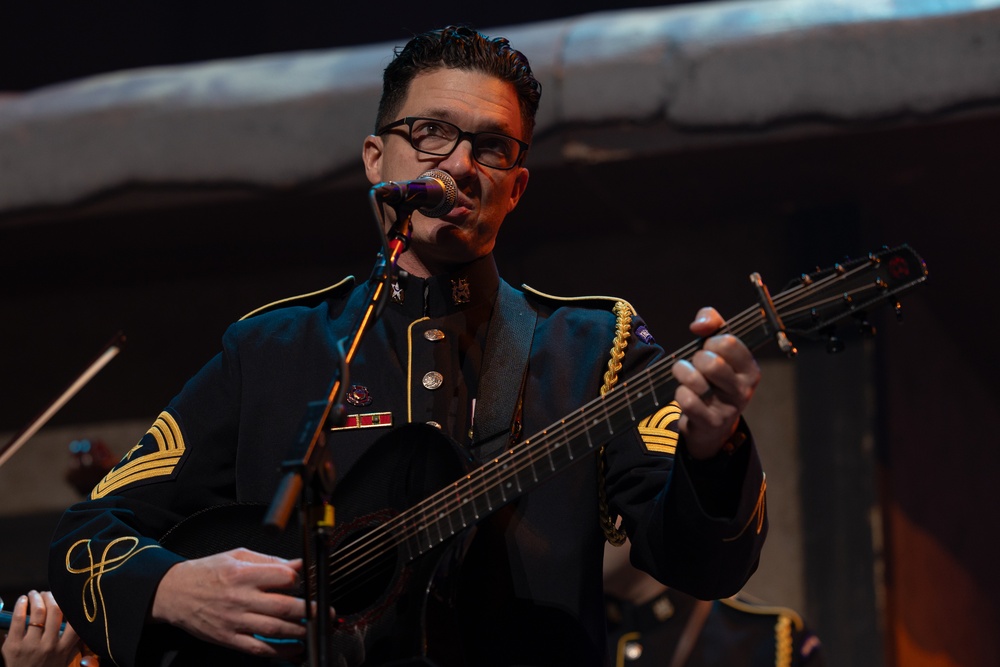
{"x":432,"y":193}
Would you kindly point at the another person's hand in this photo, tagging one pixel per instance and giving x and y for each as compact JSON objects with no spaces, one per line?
{"x":715,"y":386}
{"x":234,"y":599}
{"x":36,"y":637}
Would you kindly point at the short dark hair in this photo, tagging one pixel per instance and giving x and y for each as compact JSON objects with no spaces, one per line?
{"x":458,"y":47}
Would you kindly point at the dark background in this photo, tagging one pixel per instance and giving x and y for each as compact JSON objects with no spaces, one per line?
{"x":173,"y":276}
{"x":47,"y":41}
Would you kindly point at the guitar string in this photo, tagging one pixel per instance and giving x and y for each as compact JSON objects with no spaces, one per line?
{"x":432,"y":504}
{"x":535,"y":449}
{"x":450,"y":500}
{"x":480,"y":476}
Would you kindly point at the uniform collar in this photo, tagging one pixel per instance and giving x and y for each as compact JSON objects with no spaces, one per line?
{"x":472,"y":286}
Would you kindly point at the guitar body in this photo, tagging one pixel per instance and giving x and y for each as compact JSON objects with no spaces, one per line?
{"x":391,"y":608}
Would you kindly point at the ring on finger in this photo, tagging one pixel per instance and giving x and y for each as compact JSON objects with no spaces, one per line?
{"x":706,"y":395}
{"x":37,"y":625}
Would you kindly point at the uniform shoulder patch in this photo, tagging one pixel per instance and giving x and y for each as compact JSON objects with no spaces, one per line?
{"x":308,"y":299}
{"x":659,"y":430}
{"x":155,"y":456}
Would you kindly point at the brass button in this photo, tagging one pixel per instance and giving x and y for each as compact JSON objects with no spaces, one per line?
{"x":663,"y":609}
{"x":434,"y":334}
{"x":433,"y":380}
{"x":633,"y":650}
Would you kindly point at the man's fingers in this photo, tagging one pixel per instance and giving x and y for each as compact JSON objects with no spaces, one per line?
{"x":36,"y":612}
{"x":733,"y":350}
{"x":262,"y":571}
{"x":706,"y":322}
{"x":269,"y":626}
{"x":257,"y":557}
{"x":53,"y":614}
{"x":691,"y":378}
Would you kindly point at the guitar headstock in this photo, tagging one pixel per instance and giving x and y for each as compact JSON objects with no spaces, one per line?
{"x":812,"y":304}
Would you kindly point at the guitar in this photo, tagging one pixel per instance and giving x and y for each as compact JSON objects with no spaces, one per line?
{"x":409,"y":496}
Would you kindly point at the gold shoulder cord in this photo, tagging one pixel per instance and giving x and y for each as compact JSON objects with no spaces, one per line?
{"x":623,"y":311}
{"x":783,"y":642}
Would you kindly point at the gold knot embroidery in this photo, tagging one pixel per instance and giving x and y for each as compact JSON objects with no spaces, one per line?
{"x":93,"y":598}
{"x":759,"y":512}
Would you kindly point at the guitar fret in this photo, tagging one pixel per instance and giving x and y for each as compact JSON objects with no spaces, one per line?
{"x":628,"y":402}
{"x":548,"y":452}
{"x":559,"y":454}
{"x":569,"y":451}
{"x":423,"y":534}
{"x":416,"y":548}
{"x":437,"y":523}
{"x":444,"y":514}
{"x":534,"y":471}
{"x":500,"y":485}
{"x":409,"y":550}
{"x":474,"y":499}
{"x":462,"y":500}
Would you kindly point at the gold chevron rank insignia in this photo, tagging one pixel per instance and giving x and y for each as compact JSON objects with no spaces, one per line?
{"x":659,"y":430}
{"x":156,"y":455}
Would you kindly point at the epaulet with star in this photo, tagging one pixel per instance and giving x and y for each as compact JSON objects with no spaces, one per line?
{"x":742,"y":603}
{"x":597,"y":302}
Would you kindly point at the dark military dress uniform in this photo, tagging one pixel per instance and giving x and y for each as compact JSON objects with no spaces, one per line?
{"x":676,"y":630}
{"x":530,"y":590}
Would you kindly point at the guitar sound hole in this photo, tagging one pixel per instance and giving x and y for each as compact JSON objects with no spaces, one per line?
{"x":362,"y":578}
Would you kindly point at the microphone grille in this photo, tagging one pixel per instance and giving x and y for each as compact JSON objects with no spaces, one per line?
{"x":450,"y":190}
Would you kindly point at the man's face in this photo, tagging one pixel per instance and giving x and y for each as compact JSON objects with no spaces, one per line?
{"x":475,"y":102}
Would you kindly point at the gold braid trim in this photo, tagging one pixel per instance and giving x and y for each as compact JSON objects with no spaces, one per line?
{"x":623,"y":326}
{"x":783,"y":642}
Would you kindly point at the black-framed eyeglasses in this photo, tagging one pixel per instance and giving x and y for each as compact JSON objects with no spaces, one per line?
{"x":441,"y":138}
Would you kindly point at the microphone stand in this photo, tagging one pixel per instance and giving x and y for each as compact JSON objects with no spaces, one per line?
{"x":309,"y":475}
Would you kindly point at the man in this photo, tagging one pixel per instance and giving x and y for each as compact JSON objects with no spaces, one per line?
{"x":529,"y":589}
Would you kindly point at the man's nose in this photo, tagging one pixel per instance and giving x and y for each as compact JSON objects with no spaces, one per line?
{"x":460,"y":161}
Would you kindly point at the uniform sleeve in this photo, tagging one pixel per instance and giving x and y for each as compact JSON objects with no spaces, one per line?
{"x":696,"y":526}
{"x":106,"y":560}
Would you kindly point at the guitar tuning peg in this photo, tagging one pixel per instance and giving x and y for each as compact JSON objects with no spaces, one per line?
{"x":898,"y":310}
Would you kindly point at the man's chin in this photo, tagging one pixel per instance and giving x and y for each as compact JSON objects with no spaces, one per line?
{"x":445,"y":254}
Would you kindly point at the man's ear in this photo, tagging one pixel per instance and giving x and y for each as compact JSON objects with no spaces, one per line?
{"x":520,"y":184}
{"x":371,"y":155}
